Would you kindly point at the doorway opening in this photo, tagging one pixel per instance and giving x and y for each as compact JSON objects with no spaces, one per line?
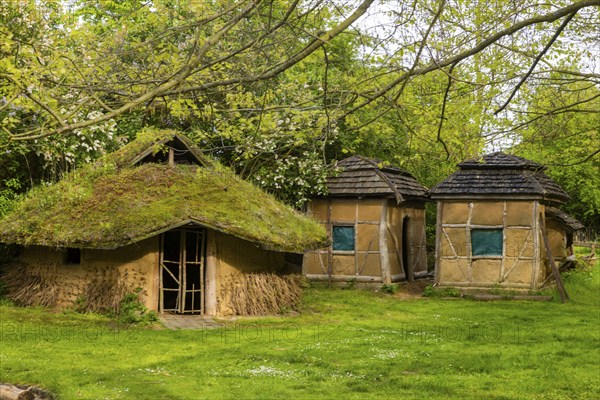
{"x":181,"y":272}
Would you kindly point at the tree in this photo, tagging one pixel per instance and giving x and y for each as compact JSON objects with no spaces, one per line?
{"x":563,"y":132}
{"x":279,"y":89}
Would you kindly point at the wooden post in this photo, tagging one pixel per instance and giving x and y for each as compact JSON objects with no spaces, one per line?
{"x":407,"y":241}
{"x":330,"y":247}
{"x":182,"y":271}
{"x":537,"y":253}
{"x":386,"y":276}
{"x":438,"y":238}
{"x":559,"y":283}
{"x":210,"y":295}
{"x":171,"y":157}
{"x":161,"y":303}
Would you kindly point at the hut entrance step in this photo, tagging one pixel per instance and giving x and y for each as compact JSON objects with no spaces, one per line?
{"x":181,"y":272}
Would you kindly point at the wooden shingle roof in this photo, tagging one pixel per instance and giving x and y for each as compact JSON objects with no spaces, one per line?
{"x":500,"y":174}
{"x":569,"y":222}
{"x":361,"y":176}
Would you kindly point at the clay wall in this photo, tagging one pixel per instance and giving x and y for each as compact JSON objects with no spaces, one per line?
{"x":235,"y":257}
{"x":518,"y":265}
{"x":134,"y":266}
{"x":365,"y":262}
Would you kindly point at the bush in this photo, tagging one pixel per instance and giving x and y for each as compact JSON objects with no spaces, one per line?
{"x":428,"y":291}
{"x":391,"y":288}
{"x":132,"y":311}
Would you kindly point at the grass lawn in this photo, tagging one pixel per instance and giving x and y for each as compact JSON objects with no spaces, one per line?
{"x":345,"y":344}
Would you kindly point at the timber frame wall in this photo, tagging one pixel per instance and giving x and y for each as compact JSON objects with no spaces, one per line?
{"x":523,"y":263}
{"x":378,"y":254}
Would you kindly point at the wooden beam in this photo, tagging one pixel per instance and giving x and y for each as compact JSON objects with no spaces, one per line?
{"x":210,"y":295}
{"x":409,"y":268}
{"x":559,"y":283}
{"x":171,"y":157}
{"x":383,"y":249}
{"x":438,"y":249}
{"x":330,"y":238}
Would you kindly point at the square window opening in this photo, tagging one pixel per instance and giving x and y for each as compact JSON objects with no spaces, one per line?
{"x":486,"y":242}
{"x":343,"y":238}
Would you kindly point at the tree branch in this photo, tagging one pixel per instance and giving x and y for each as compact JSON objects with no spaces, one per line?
{"x":482,"y":45}
{"x":537,"y":60}
{"x":439,"y":132}
{"x":171,"y":86}
{"x":182,"y":74}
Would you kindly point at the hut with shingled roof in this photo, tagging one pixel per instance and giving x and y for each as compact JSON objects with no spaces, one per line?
{"x":493,"y":216}
{"x":374,"y":215}
{"x":157,"y":218}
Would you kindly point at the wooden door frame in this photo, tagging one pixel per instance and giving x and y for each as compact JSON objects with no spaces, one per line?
{"x":181,"y":279}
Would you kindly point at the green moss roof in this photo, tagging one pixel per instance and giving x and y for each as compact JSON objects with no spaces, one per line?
{"x":113,"y":203}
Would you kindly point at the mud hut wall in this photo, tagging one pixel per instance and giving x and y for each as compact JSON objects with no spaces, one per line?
{"x":514,"y":268}
{"x":236,"y":257}
{"x":365,"y":216}
{"x":134,"y":266}
{"x":557,"y":238}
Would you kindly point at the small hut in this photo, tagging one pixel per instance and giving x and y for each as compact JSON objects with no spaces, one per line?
{"x":375,"y":218}
{"x":492,"y":217}
{"x":155,"y":217}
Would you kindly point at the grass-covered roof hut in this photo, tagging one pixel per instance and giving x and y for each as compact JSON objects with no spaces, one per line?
{"x":374,"y":214}
{"x":492,"y":217}
{"x":155,"y":215}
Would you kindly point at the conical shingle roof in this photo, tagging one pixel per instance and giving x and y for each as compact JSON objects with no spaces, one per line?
{"x":361,"y":176}
{"x":502,"y":175}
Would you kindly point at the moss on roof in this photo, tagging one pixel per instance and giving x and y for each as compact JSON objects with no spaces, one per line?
{"x":112,"y":204}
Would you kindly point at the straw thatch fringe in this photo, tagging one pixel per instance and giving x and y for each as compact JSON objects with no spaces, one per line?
{"x":264,"y":294}
{"x":103,"y":295}
{"x":27,"y":288}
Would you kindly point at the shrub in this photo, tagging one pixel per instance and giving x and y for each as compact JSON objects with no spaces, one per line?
{"x":391,"y":288}
{"x":132,"y":311}
{"x":428,"y":291}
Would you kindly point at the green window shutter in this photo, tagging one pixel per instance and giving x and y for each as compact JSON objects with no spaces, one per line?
{"x":486,"y":242}
{"x":343,"y":238}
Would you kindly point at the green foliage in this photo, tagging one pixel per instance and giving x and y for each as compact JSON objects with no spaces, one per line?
{"x":72,"y":62}
{"x":389,"y":288}
{"x":428,"y":291}
{"x":567,"y":142}
{"x":133,"y":311}
{"x":8,"y":194}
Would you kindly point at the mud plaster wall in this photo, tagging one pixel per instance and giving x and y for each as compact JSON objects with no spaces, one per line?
{"x":519,"y":264}
{"x":134,"y":265}
{"x":557,"y":238}
{"x":236,"y":257}
{"x":365,"y":216}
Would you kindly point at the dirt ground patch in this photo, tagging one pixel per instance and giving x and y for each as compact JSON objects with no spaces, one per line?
{"x":411,"y":290}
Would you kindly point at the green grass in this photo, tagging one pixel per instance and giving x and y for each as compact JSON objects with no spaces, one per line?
{"x":345,"y":344}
